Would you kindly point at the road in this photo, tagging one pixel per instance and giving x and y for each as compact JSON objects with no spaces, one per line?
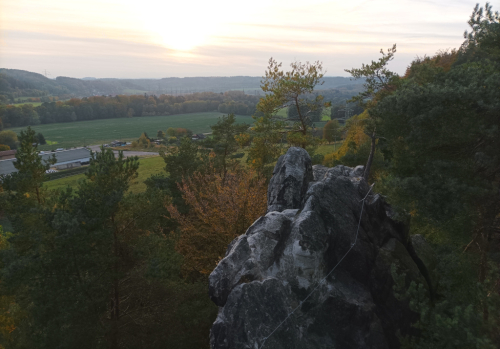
{"x":97,"y":148}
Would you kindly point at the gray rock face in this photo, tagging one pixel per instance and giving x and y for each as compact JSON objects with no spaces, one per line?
{"x":290,"y":180}
{"x":311,"y":223}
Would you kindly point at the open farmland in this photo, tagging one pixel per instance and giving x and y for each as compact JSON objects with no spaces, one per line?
{"x":73,"y":134}
{"x":34,"y":104}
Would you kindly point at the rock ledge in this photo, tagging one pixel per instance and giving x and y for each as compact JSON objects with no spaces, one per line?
{"x":311,"y":222}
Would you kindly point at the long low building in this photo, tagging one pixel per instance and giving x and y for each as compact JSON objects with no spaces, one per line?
{"x":65,"y":159}
{"x":7,"y":154}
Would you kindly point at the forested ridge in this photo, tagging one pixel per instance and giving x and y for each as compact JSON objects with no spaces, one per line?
{"x":99,"y":267}
{"x":16,"y":83}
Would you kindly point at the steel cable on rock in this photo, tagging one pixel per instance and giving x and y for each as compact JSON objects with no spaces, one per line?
{"x":327,"y":275}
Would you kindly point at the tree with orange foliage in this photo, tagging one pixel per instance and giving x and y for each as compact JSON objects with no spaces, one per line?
{"x":243,"y":139}
{"x":356,"y":147}
{"x":222,"y":207}
{"x":423,"y":69}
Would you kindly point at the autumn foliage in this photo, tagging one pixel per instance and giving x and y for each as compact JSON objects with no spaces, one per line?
{"x":222,"y":207}
{"x":178,"y":132}
{"x":443,"y":59}
{"x":355,"y":137}
{"x":243,"y":139}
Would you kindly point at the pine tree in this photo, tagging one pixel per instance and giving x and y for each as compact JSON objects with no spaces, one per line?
{"x":442,"y":137}
{"x":69,"y":255}
{"x":331,"y":130}
{"x":41,"y":139}
{"x":30,"y":166}
{"x":379,"y":83}
{"x":289,"y":90}
{"x":223,"y":140}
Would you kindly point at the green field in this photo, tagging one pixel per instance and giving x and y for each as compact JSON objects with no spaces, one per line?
{"x":147,"y":168}
{"x":75,"y":134}
{"x":328,"y":148}
{"x":24,"y":100}
{"x":34,"y":104}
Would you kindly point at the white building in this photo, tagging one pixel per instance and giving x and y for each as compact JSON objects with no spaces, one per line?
{"x":65,"y":159}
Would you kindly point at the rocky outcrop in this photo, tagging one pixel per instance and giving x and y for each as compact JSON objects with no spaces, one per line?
{"x":278,"y":266}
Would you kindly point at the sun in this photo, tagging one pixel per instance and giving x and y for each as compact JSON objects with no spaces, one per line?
{"x":179,"y":25}
{"x":181,"y":38}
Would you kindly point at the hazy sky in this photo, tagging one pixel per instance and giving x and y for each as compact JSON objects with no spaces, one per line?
{"x":154,"y":39}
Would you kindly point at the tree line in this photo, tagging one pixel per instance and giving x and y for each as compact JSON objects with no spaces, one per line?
{"x":16,"y":83}
{"x":121,"y":106}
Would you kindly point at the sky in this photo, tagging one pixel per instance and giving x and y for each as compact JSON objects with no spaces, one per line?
{"x":156,"y":39}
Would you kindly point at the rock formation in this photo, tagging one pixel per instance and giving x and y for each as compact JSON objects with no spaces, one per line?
{"x":312,"y":220}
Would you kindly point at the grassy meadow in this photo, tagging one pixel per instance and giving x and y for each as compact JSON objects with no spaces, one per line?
{"x":25,"y":100}
{"x":147,"y":167}
{"x":328,"y":148}
{"x":79,"y":133}
{"x":34,"y":104}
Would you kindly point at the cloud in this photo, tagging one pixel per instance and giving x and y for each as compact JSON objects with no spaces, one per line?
{"x":112,"y":38}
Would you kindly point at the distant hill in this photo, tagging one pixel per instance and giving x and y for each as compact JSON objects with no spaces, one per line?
{"x":16,"y":83}
{"x":19,"y":83}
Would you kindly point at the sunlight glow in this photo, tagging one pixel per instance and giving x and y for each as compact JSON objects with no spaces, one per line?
{"x":169,"y":28}
{"x":183,"y":25}
{"x":219,"y":37}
